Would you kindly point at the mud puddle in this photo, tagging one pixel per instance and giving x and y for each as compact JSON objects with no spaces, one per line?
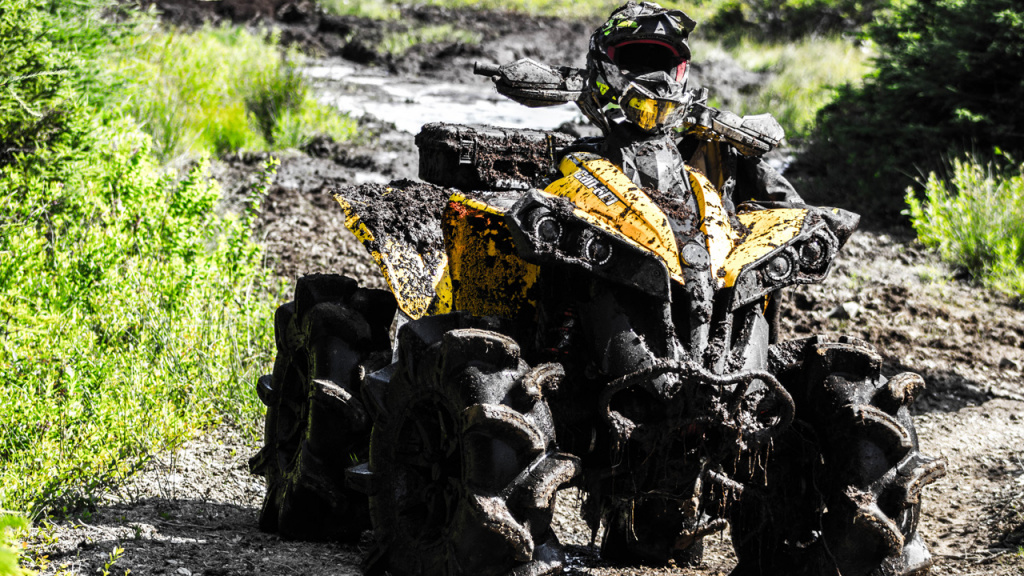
{"x":409,"y":103}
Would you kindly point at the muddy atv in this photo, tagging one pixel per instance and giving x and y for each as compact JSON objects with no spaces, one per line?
{"x":558,"y":326}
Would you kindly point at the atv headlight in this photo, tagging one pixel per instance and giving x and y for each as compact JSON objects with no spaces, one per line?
{"x":545,"y":226}
{"x":779,"y":268}
{"x":804,"y":260}
{"x":597,"y":250}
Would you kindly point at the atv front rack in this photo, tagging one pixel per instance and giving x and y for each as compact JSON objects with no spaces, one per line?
{"x":729,"y":411}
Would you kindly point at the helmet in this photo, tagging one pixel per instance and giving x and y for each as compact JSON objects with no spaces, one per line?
{"x":637,"y":68}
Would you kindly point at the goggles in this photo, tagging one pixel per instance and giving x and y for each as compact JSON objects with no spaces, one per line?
{"x":644,"y":109}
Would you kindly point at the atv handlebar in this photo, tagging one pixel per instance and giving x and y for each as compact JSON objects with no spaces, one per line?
{"x":486,"y":69}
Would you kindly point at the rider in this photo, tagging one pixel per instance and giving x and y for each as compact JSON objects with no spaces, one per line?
{"x":637,"y":69}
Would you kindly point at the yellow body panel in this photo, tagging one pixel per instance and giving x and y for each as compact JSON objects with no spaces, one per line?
{"x":714,"y":222}
{"x":483,"y":263}
{"x":768,"y":230}
{"x":479,"y":269}
{"x":606,"y":197}
{"x":419,"y":282}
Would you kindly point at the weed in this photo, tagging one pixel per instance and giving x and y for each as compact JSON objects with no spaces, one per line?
{"x":375,"y":9}
{"x":222,"y":89}
{"x":399,"y":43}
{"x":12,"y":530}
{"x":112,"y":559}
{"x":976,"y":221}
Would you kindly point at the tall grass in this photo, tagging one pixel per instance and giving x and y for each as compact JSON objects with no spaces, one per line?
{"x":11,"y":528}
{"x":803,"y":75}
{"x":578,"y":9}
{"x":222,"y":89}
{"x":398,"y":43}
{"x":131,"y":314}
{"x":133,"y":311}
{"x":975,"y":220}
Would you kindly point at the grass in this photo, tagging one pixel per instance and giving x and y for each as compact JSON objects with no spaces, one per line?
{"x":218,"y":90}
{"x":974,"y":218}
{"x":131,"y":314}
{"x":578,"y":9}
{"x":398,"y":43}
{"x":803,"y":75}
{"x":375,"y":9}
{"x":12,"y":528}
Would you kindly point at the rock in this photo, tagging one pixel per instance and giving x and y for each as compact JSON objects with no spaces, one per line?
{"x":1008,"y":364}
{"x":846,"y":311}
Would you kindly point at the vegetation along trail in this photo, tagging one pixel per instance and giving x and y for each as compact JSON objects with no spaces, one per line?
{"x":171,"y":493}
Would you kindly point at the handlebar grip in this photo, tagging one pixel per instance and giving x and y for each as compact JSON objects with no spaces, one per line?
{"x":485,"y":69}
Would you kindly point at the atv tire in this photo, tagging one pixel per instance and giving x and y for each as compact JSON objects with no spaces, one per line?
{"x":316,"y":422}
{"x":841,"y":494}
{"x":463,"y":462}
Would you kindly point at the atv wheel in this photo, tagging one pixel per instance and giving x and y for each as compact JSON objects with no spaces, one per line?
{"x":463,"y":460}
{"x":841,"y":494}
{"x":316,"y":422}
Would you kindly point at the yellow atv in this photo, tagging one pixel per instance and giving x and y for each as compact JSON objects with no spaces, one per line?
{"x":559,"y":325}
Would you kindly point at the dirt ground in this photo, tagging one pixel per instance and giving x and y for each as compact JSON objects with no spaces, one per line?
{"x":193,"y":511}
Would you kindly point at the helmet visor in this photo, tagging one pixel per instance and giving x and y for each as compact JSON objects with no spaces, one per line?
{"x":649,"y":112}
{"x":642,"y":56}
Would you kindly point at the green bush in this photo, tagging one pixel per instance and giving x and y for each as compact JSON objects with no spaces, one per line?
{"x":948,"y":81}
{"x":790,"y":19}
{"x":132,"y":310}
{"x":131,"y":315}
{"x":221,"y":89}
{"x":975,"y":221}
{"x":11,"y":527}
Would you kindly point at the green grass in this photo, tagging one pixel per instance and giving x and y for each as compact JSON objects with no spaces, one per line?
{"x":134,"y":312}
{"x":219,"y":90}
{"x":578,"y":9}
{"x":975,"y":220}
{"x":12,"y":529}
{"x":803,"y":75}
{"x":375,"y":9}
{"x":398,"y":43}
{"x":131,"y":315}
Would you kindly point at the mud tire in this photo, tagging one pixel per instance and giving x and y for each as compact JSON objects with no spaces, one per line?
{"x":316,"y":422}
{"x":841,"y":494}
{"x":463,"y":456}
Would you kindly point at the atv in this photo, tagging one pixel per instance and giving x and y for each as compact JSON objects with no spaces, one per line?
{"x":556,"y":325}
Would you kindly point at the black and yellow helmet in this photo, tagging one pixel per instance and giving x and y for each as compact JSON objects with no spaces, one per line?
{"x":637,"y":68}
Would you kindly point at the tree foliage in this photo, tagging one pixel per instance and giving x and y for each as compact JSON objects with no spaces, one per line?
{"x":949,"y":80}
{"x":790,"y":19}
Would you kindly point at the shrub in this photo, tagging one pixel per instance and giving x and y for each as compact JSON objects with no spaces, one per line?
{"x":948,"y":81}
{"x":132,"y":310}
{"x":131,"y":315}
{"x":10,"y":528}
{"x":221,"y":89}
{"x":790,"y":19}
{"x":975,"y":221}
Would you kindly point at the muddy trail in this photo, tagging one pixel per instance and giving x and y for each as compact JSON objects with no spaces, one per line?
{"x":193,"y":511}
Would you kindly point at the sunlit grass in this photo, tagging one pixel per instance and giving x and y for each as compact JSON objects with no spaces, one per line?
{"x":133,"y":314}
{"x":803,"y":75}
{"x":579,"y":9}
{"x":398,"y":43}
{"x":974,"y":218}
{"x":222,"y":89}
